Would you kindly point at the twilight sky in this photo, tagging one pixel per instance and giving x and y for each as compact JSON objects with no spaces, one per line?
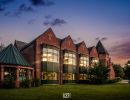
{"x":88,"y":20}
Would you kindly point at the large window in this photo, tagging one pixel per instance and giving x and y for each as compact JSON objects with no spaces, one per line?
{"x":68,"y":76}
{"x":95,"y":60}
{"x":50,"y":76}
{"x":50,"y":63}
{"x":70,"y":58}
{"x":9,"y":73}
{"x":22,"y":74}
{"x":50,"y":54}
{"x":84,"y":61}
{"x":82,"y":76}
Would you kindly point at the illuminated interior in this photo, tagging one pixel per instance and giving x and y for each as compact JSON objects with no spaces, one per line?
{"x":22,"y":74}
{"x":69,"y":58}
{"x":95,"y":60}
{"x":50,"y":76}
{"x":9,"y":73}
{"x":68,"y":76}
{"x":84,"y":61}
{"x":82,"y":76}
{"x":50,"y":55}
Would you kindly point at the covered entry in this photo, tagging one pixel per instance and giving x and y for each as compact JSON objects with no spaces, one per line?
{"x":13,"y":67}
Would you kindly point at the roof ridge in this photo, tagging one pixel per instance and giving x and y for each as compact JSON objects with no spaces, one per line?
{"x":100,"y":48}
{"x":11,"y":55}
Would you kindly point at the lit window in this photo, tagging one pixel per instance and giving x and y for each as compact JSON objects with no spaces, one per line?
{"x":49,"y":76}
{"x":69,"y":58}
{"x":82,"y":77}
{"x":68,"y":76}
{"x":84,"y":61}
{"x":94,"y":60}
{"x":22,"y":74}
{"x":51,"y":55}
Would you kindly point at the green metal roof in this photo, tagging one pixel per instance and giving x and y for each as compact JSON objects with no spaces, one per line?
{"x":11,"y":55}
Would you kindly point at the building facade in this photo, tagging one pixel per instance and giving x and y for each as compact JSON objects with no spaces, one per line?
{"x":59,"y":61}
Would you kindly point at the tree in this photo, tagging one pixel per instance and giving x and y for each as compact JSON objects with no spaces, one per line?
{"x":127,"y":71}
{"x":99,"y":73}
{"x":119,"y":72}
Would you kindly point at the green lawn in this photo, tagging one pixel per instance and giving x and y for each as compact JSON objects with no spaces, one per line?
{"x":78,"y":92}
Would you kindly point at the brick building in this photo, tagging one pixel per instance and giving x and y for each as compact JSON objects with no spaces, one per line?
{"x":59,"y":61}
{"x":105,"y":58}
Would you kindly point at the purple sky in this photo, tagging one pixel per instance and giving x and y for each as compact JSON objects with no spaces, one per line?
{"x":88,"y":20}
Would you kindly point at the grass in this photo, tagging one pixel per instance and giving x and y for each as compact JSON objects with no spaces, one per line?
{"x":78,"y":92}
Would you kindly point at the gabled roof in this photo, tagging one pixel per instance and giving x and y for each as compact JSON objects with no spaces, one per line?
{"x":82,"y":45}
{"x":90,"y":48}
{"x":71,"y":45}
{"x":48,"y":30}
{"x":100,"y":48}
{"x":78,"y":44}
{"x":10,"y":55}
{"x":19,"y":44}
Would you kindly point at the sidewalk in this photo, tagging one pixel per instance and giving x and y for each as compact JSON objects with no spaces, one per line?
{"x":124,"y":81}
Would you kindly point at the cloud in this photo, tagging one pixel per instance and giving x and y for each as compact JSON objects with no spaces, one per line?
{"x":7,"y":13}
{"x":5,"y":2}
{"x":31,"y":21}
{"x":55,"y":22}
{"x":48,"y":16}
{"x":121,"y":52}
{"x":26,"y":6}
{"x":23,"y":8}
{"x":2,"y":8}
{"x":41,"y":2}
{"x":104,"y":38}
{"x":97,"y":39}
{"x":101,"y":39}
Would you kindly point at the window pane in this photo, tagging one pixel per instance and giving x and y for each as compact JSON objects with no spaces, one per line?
{"x":55,"y":52}
{"x":74,"y":56}
{"x":44,"y":59}
{"x":70,"y":55}
{"x":55,"y":58}
{"x":50,"y":50}
{"x":74,"y":62}
{"x":44,"y":49}
{"x":66,"y":54}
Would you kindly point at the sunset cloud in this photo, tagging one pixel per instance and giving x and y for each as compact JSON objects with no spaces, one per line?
{"x":121,"y":52}
{"x":55,"y":22}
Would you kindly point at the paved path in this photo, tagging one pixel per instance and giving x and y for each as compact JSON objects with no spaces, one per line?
{"x":124,"y":81}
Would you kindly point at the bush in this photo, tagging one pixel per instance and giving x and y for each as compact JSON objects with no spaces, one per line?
{"x":25,"y":84}
{"x":117,"y":79}
{"x":36,"y":82}
{"x":9,"y":84}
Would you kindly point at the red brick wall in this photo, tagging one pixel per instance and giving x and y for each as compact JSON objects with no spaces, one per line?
{"x":82,"y":49}
{"x":49,"y":38}
{"x":29,"y":54}
{"x":93,"y":52}
{"x":112,"y":72}
{"x":68,"y":44}
{"x":104,"y":58}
